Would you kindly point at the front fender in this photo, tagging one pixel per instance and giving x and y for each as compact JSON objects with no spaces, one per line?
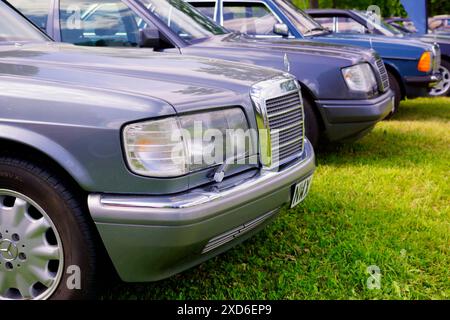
{"x":49,"y":147}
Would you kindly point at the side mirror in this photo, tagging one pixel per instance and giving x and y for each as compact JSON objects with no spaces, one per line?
{"x":149,"y":38}
{"x":281,"y":29}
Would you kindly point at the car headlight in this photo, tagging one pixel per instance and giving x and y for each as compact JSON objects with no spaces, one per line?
{"x":359,"y":77}
{"x":175,"y":146}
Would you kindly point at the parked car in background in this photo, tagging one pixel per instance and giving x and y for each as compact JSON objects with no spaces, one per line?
{"x":400,"y":57}
{"x":345,"y":90}
{"x":95,"y":153}
{"x":404,"y":25}
{"x":367,"y":23}
{"x":410,"y":61}
{"x":404,"y":29}
{"x":440,"y":23}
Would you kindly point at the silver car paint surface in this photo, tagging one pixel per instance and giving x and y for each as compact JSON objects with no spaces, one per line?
{"x":71,"y":103}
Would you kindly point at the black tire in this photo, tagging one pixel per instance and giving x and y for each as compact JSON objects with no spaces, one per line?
{"x":395,"y":86}
{"x":312,"y":128}
{"x":62,"y":206}
{"x":444,"y":89}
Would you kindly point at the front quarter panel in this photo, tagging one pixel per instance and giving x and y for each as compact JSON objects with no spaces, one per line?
{"x":80,"y":129}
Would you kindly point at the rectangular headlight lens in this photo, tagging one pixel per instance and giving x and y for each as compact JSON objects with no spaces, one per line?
{"x":156,"y":148}
{"x":176,"y":146}
{"x":359,"y":77}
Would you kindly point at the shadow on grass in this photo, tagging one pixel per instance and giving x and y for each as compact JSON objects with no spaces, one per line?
{"x":423,"y":110}
{"x":391,"y":144}
{"x":390,"y":148}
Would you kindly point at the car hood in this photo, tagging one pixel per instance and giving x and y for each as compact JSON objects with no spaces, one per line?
{"x":432,"y":38}
{"x":305,"y":47}
{"x":387,"y":47}
{"x":376,"y":40}
{"x":177,"y":79}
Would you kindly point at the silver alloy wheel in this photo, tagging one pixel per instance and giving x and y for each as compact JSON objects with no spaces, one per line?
{"x":443,"y":86}
{"x":31,"y":252}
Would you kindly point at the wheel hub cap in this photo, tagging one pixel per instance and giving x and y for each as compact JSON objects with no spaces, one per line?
{"x":31,"y":253}
{"x":8,"y":250}
{"x":443,"y":86}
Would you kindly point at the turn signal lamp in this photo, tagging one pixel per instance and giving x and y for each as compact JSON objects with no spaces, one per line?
{"x":425,"y":62}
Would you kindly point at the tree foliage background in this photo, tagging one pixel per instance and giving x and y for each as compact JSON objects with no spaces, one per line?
{"x":388,"y":7}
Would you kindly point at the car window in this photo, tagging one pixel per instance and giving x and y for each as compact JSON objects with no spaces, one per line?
{"x":36,"y":11}
{"x":14,"y":28}
{"x":250,"y":18}
{"x":207,"y":8}
{"x":183,"y":19}
{"x":304,"y":23}
{"x":326,"y":22}
{"x":106,"y":23}
{"x":349,"y":25}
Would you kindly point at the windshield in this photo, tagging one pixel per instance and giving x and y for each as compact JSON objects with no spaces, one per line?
{"x":14,"y":28}
{"x":302,"y":21}
{"x":183,"y":19}
{"x":379,"y":24}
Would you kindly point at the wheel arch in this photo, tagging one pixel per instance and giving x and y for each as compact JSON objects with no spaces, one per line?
{"x":34,"y":151}
{"x":445,"y":58}
{"x":398,"y":77}
{"x":308,"y":94}
{"x":40,"y":149}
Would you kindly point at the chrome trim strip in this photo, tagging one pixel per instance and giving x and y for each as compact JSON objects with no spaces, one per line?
{"x":279,"y":113}
{"x":287,"y":143}
{"x":237,"y":232}
{"x":293,"y":125}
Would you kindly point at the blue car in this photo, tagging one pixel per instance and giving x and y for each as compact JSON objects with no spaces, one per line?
{"x":354,"y":21}
{"x":403,"y":27}
{"x":413,"y":66}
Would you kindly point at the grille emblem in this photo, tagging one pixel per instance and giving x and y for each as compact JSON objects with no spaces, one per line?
{"x":8,"y":250}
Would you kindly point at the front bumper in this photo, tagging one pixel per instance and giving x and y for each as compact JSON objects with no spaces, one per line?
{"x":419,"y":86}
{"x":349,"y":120}
{"x":150,"y":238}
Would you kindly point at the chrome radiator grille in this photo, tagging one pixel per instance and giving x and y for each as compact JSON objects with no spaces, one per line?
{"x":285,"y":117}
{"x":383,"y":75}
{"x":279,"y":115}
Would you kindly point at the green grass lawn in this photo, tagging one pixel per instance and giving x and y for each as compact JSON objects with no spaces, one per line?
{"x":383,"y":201}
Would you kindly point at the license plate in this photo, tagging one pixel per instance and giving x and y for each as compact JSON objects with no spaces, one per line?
{"x":301,"y":190}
